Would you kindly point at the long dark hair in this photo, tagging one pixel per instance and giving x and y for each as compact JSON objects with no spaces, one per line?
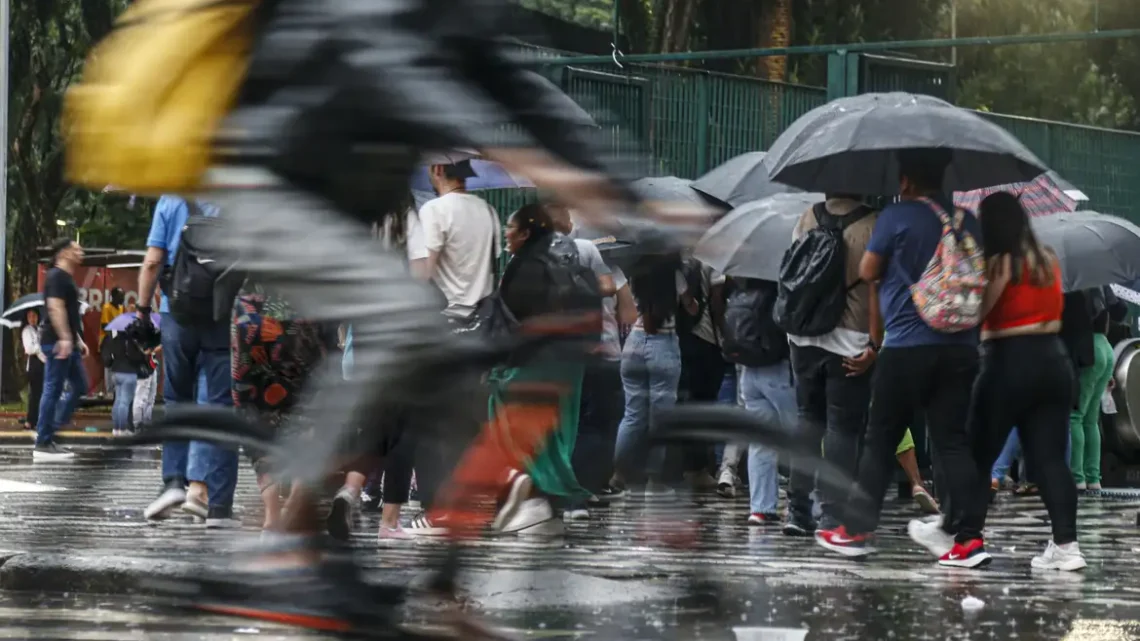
{"x":1006,"y":230}
{"x":654,"y":287}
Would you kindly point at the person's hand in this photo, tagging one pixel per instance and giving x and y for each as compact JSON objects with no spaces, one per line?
{"x":859,"y":365}
{"x":62,"y":349}
{"x":83,"y":350}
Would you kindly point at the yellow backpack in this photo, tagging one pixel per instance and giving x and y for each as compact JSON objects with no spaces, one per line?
{"x":154,"y":93}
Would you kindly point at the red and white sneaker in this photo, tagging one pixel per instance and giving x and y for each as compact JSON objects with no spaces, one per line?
{"x":970,"y":554}
{"x":840,"y":542}
{"x":759,"y":518}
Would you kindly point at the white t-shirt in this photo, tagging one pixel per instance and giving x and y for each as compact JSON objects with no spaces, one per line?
{"x":414,"y":234}
{"x":464,"y":230}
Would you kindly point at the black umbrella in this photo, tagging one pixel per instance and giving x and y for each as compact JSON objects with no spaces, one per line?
{"x":14,"y":315}
{"x":741,"y":180}
{"x":750,"y":241}
{"x":853,"y":148}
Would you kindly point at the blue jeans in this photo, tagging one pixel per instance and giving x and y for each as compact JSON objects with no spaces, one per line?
{"x":727,"y":396}
{"x":1011,"y":451}
{"x":650,"y":373}
{"x":190,"y":353}
{"x":56,"y":408}
{"x":124,"y":398}
{"x":769,"y":393}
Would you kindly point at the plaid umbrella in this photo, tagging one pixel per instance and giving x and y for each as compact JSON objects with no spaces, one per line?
{"x":1046,"y":194}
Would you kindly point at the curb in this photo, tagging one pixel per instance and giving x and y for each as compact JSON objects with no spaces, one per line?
{"x":89,"y":574}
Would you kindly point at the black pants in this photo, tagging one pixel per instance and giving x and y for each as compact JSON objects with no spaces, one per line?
{"x":1025,"y":382}
{"x":35,"y":390}
{"x":936,"y":379}
{"x":702,"y":371}
{"x":833,"y":412}
{"x":602,"y":406}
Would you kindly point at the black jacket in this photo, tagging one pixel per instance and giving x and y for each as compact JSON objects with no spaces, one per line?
{"x":124,"y":356}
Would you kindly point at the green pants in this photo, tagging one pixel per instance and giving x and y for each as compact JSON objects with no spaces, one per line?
{"x":550,"y":469}
{"x":1084,"y":422}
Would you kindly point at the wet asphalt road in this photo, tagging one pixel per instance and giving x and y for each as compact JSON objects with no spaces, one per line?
{"x":612,"y":578}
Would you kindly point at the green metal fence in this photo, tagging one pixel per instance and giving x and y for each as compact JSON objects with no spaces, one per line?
{"x":692,"y":120}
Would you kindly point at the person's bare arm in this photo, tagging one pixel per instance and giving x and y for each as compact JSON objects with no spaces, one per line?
{"x":1000,"y":272}
{"x":430,"y":265}
{"x":57,"y":315}
{"x":420,"y":268}
{"x":148,"y":275}
{"x":626,"y":307}
{"x":876,"y":315}
{"x":871,"y":267}
{"x":606,"y":285}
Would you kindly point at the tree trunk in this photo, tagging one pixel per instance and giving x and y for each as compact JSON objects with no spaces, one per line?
{"x":775,"y":31}
{"x":673,"y":22}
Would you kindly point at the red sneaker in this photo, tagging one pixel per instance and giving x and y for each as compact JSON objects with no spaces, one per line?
{"x":840,"y":542}
{"x":970,"y":554}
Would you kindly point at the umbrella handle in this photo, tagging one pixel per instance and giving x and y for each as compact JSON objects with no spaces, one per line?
{"x":615,"y":53}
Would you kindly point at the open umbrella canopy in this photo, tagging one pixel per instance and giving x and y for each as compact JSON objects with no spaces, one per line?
{"x":1095,"y":249}
{"x":750,"y":241}
{"x":854,"y":150}
{"x":14,"y":315}
{"x":1047,"y":194}
{"x":487,"y":175}
{"x":740,"y":180}
{"x":668,"y":189}
{"x":121,"y":322}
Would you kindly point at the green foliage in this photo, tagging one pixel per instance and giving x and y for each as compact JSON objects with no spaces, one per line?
{"x":49,"y":41}
{"x":1056,"y":81}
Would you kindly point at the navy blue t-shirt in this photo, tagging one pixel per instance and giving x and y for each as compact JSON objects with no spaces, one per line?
{"x":906,"y":235}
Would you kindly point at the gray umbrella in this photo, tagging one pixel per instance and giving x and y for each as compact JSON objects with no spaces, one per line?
{"x":741,"y":180}
{"x":855,"y":151}
{"x":668,"y":188}
{"x":751,"y":240}
{"x":1095,"y":249}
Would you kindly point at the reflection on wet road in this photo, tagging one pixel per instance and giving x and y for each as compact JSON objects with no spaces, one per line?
{"x":616,"y":577}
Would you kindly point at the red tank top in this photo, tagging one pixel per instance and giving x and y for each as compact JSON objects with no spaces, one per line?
{"x":1024,"y":304}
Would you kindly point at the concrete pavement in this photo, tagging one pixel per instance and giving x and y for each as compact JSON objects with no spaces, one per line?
{"x":78,"y":528}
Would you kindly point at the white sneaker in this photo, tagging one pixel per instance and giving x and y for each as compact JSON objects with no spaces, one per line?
{"x":726,"y":483}
{"x":521,"y":486}
{"x":222,"y":523}
{"x":195,"y":508}
{"x":1066,"y":558}
{"x":930,"y":535}
{"x":421,"y":525}
{"x":165,"y":504}
{"x":51,"y":452}
{"x":576,"y":514}
{"x":530,"y":513}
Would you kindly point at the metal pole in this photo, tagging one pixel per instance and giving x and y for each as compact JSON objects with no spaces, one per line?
{"x":5,"y":29}
{"x":854,"y":47}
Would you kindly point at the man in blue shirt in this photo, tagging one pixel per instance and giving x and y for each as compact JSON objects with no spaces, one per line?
{"x":918,"y":369}
{"x":187,"y":352}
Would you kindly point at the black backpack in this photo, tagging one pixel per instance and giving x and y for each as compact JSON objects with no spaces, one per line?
{"x":573,"y":287}
{"x":687,"y":322}
{"x":200,"y":288}
{"x":813,"y":276}
{"x":751,"y":336}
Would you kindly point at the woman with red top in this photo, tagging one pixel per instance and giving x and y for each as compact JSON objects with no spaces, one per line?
{"x":1026,"y":379}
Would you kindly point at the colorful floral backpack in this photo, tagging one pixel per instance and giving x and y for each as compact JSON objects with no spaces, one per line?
{"x":949,"y":294}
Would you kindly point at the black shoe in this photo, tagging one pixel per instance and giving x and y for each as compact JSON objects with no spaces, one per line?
{"x":342,"y":516}
{"x":51,"y":452}
{"x":221,"y":518}
{"x":799,"y":527}
{"x":611,"y":493}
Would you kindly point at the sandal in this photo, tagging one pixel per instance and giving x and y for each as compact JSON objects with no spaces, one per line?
{"x":1028,"y":489}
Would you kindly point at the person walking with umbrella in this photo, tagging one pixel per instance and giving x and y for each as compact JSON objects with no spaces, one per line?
{"x":929,"y":357}
{"x":30,"y":337}
{"x":62,"y":342}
